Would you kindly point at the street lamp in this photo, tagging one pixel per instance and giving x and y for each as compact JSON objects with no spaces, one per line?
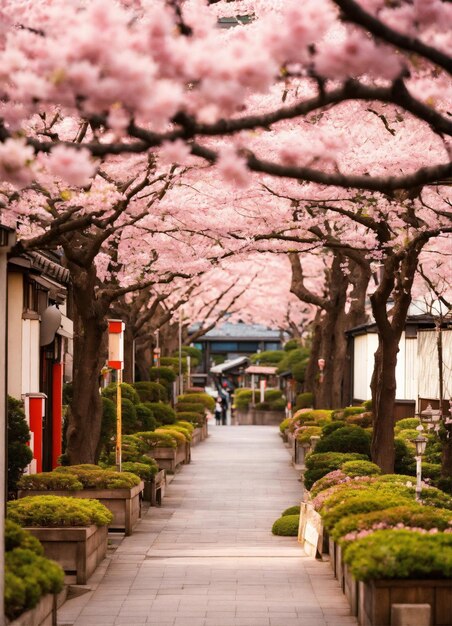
{"x":420,"y":443}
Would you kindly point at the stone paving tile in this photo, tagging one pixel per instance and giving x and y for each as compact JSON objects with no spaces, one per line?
{"x":207,"y":556}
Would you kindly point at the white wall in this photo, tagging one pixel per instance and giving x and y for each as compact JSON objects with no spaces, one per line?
{"x":428,"y":364}
{"x":30,"y":355}
{"x":365,"y":347}
{"x":406,"y":370}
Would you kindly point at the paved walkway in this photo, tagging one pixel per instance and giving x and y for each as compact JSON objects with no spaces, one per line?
{"x":207,"y":556}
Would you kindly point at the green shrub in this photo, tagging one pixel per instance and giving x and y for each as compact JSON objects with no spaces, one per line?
{"x":268,"y":357}
{"x":19,"y":454}
{"x":161,"y":374}
{"x":445,"y":484}
{"x":145,"y":471}
{"x":194,"y":353}
{"x":187,"y":425}
{"x":405,"y":462}
{"x":202,"y":398}
{"x":295,"y":361}
{"x":278,"y":405}
{"x":50,"y":481}
{"x":360,"y":468}
{"x":367,"y":404}
{"x":330,"y":427}
{"x":292,"y":510}
{"x":180,"y":429}
{"x":407,"y":423}
{"x":292,"y":344}
{"x":157,"y":440}
{"x":304,"y":435}
{"x":108,"y":424}
{"x":28,"y":577}
{"x":400,"y":554}
{"x":286,"y":526}
{"x":413,"y":515}
{"x":431,"y":471}
{"x":243,"y":397}
{"x":321,"y":414}
{"x":99,"y":478}
{"x":353,"y":410}
{"x":272,"y":394}
{"x":178,"y":437}
{"x":299,"y":371}
{"x":129,"y":416}
{"x":54,"y":511}
{"x":145,"y":417}
{"x":173,"y":363}
{"x":17,"y":537}
{"x":363,"y":419}
{"x":304,"y":400}
{"x":197,"y":419}
{"x":190,"y":407}
{"x":263,"y":406}
{"x":284,"y":425}
{"x":346,"y":439}
{"x":319,"y":464}
{"x":163,"y":413}
{"x":150,"y":391}
{"x":362,"y":501}
{"x":127,"y":393}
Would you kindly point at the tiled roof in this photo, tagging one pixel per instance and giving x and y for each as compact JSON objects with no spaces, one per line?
{"x":241,"y":331}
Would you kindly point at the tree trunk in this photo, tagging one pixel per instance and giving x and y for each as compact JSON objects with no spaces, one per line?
{"x":446,"y":456}
{"x":383,"y":388}
{"x":90,"y":353}
{"x":312,"y":367}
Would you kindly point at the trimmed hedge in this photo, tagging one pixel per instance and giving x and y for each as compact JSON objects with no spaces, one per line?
{"x":304,"y":400}
{"x":99,"y":478}
{"x":150,"y":391}
{"x":412,"y":515}
{"x":286,"y":526}
{"x":163,"y":413}
{"x":400,"y":554}
{"x":157,"y":439}
{"x":346,"y":439}
{"x":28,"y":575}
{"x":166,"y":374}
{"x":198,"y":398}
{"x":127,"y":393}
{"x":319,"y":464}
{"x":55,"y":511}
{"x":195,"y":419}
{"x":50,"y":481}
{"x":292,"y":510}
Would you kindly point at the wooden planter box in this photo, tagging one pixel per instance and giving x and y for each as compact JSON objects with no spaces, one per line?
{"x":377,"y":596}
{"x":44,"y":614}
{"x":125,"y":504}
{"x":154,"y":489}
{"x":78,"y":550}
{"x":332,"y":553}
{"x":169,"y":458}
{"x":204,"y":431}
{"x":351,"y":589}
{"x":196,"y":436}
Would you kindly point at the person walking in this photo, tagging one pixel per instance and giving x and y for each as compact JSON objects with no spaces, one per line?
{"x":218,"y":411}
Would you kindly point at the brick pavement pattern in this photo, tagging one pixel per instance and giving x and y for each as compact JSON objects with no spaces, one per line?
{"x":207,"y":556}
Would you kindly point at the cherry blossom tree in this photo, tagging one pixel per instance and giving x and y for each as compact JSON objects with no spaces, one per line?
{"x":73,"y":106}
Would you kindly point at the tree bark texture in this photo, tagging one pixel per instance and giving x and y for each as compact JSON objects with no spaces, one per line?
{"x":90,"y":353}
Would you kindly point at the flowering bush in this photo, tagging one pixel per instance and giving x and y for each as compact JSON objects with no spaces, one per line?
{"x":336,"y":477}
{"x":409,"y":517}
{"x":400,"y":554}
{"x":304,"y":433}
{"x":319,"y":464}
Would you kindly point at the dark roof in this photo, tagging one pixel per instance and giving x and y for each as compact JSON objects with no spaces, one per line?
{"x":242,"y":332}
